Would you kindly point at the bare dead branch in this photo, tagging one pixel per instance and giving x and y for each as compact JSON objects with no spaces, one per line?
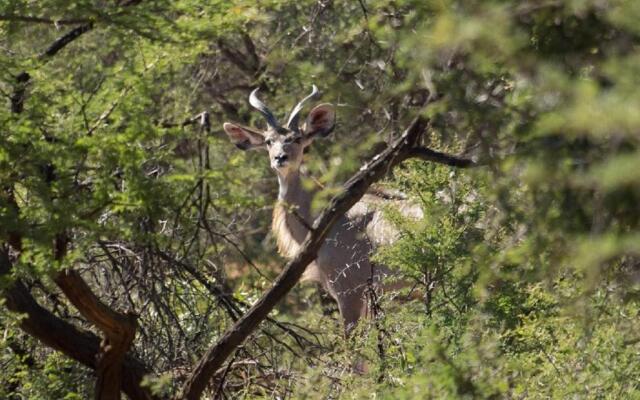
{"x":201,"y":119}
{"x":426,"y":154}
{"x":65,"y":39}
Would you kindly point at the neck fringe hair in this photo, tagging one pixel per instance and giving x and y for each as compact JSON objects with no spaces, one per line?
{"x":287,"y":245}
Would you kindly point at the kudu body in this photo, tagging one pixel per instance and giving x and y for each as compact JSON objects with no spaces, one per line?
{"x":342,"y":266}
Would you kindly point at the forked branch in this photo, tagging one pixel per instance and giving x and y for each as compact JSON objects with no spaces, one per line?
{"x":119,"y":330}
{"x":82,"y":346}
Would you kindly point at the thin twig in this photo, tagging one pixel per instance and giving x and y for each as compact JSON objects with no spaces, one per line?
{"x":42,"y":20}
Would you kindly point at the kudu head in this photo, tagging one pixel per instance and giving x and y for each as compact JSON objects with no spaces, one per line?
{"x":285,"y":143}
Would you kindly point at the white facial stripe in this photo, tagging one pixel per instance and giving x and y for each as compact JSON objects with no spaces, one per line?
{"x":285,"y":153}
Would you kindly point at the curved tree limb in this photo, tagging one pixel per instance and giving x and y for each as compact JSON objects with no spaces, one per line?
{"x":119,"y":330}
{"x":65,"y":39}
{"x":426,"y":154}
{"x":82,"y":346}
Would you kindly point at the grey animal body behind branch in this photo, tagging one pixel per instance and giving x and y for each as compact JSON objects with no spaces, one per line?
{"x":342,"y":265}
{"x":354,"y":189}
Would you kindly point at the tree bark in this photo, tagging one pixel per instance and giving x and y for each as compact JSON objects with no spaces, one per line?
{"x":119,"y":330}
{"x":82,"y":346}
{"x":426,"y":154}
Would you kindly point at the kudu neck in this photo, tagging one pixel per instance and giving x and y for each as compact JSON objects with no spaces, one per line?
{"x":291,"y":190}
{"x":294,"y":205}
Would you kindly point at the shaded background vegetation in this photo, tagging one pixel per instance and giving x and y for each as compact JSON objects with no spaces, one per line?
{"x":528,"y":265}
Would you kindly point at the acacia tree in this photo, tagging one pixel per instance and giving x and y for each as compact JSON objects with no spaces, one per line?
{"x":83,"y":161}
{"x":121,"y":198}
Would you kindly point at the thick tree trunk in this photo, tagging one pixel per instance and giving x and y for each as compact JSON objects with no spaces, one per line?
{"x":82,"y":346}
{"x":119,"y":330}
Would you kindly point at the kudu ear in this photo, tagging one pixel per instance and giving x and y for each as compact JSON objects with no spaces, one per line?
{"x":244,"y":138}
{"x":320,"y":121}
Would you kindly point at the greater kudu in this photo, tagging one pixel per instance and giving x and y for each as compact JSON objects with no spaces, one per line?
{"x":343,"y":266}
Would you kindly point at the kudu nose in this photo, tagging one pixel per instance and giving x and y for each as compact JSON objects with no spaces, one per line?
{"x":281,"y":158}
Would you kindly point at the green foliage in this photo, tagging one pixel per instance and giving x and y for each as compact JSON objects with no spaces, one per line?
{"x":47,"y":375}
{"x":527,"y":267}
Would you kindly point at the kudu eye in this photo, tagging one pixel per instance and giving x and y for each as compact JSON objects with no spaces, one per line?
{"x":268,"y":142}
{"x":296,"y":140}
